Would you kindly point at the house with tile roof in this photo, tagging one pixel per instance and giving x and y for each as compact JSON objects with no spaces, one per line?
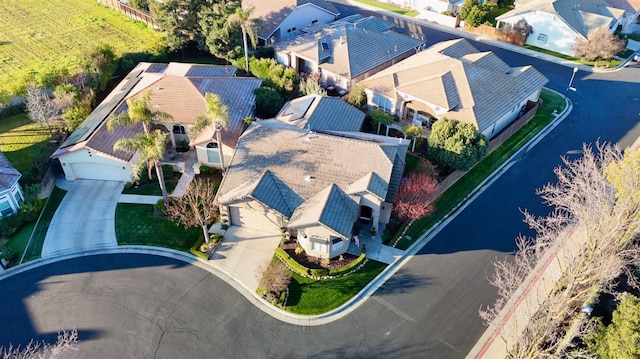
{"x":283,"y":19}
{"x":346,"y":51}
{"x":177,"y":89}
{"x":317,"y":184}
{"x":11,"y":196}
{"x":558,"y":24}
{"x":453,"y":79}
{"x":321,"y":113}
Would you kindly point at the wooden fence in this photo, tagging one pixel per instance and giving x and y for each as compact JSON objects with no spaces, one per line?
{"x":133,"y":13}
{"x":497,"y":34}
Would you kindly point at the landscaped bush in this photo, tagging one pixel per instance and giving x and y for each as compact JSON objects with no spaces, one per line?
{"x":299,"y":268}
{"x":195,"y":250}
{"x":167,"y":170}
{"x":348,"y":267}
{"x":25,"y":215}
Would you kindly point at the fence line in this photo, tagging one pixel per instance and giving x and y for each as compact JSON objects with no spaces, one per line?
{"x":132,"y":12}
{"x":497,"y":34}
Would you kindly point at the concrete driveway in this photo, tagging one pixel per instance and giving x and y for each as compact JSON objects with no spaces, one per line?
{"x":85,"y":218}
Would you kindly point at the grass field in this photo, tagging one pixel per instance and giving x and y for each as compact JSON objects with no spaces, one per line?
{"x":24,"y":142}
{"x":38,"y":36}
{"x":390,"y":7}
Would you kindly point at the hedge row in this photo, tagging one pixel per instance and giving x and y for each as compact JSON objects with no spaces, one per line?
{"x":195,"y":250}
{"x":348,"y":267}
{"x":299,"y":268}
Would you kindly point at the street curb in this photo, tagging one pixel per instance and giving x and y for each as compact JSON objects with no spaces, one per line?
{"x":344,"y":309}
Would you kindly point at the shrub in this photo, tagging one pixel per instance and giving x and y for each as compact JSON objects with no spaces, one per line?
{"x":167,"y":171}
{"x":206,"y":170}
{"x":297,"y":267}
{"x":195,"y":249}
{"x":319,"y":272}
{"x":268,"y":102}
{"x":345,"y":269}
{"x":299,"y":250}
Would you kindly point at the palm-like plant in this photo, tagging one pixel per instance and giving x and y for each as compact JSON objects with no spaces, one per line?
{"x":243,"y":19}
{"x":152,"y":145}
{"x":218,"y":116}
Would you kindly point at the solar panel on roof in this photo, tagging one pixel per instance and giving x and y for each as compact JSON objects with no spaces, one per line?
{"x":157,"y":68}
{"x":211,"y":71}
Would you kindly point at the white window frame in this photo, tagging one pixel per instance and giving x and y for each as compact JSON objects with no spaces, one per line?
{"x":542,"y":38}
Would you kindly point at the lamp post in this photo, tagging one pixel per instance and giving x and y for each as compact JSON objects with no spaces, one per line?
{"x":575,"y":69}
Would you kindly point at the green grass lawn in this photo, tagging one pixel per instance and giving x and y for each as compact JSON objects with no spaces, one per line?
{"x":456,"y":193}
{"x":310,"y":297}
{"x":136,"y":224}
{"x":601,"y":63}
{"x":38,"y":36}
{"x":18,"y":242}
{"x":390,"y":7}
{"x":24,"y":142}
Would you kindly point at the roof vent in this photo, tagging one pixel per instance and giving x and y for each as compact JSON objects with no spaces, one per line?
{"x":309,"y":178}
{"x":159,"y":88}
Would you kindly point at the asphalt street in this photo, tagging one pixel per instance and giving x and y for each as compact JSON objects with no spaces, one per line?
{"x":141,"y":306}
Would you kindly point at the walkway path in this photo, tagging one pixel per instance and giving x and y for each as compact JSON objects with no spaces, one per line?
{"x":375,"y":249}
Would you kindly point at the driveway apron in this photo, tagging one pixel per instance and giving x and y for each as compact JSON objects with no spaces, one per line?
{"x":85,"y":218}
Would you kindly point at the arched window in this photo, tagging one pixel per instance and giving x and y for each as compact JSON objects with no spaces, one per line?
{"x":179,"y":130}
{"x":212,"y":145}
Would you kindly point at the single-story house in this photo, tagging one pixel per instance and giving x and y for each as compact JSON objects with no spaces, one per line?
{"x":558,"y":24}
{"x":453,"y":79}
{"x":11,"y":196}
{"x":283,"y":19}
{"x":321,"y":113}
{"x":317,"y":184}
{"x":346,"y":51}
{"x":177,"y":89}
{"x":438,"y":6}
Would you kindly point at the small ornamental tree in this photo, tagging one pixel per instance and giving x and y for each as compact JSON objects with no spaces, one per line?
{"x":379,"y":117}
{"x":456,"y":144}
{"x":414,"y":194}
{"x":602,"y":45}
{"x":196,"y":208}
{"x":357,"y":97}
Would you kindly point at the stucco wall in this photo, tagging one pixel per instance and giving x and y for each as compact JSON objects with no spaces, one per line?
{"x":299,"y":18}
{"x":560,"y":37}
{"x":92,"y":165}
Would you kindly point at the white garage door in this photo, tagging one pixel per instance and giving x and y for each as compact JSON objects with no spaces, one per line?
{"x":247,"y":217}
{"x":100,"y":172}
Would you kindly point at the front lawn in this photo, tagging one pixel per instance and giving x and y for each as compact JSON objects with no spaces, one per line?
{"x":152,"y":188}
{"x":456,"y":193}
{"x":310,"y":297}
{"x":137,"y":224}
{"x":390,"y":7}
{"x":27,"y":145}
{"x":18,"y":242}
{"x":600,"y":63}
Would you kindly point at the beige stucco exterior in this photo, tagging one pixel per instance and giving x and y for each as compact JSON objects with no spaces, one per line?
{"x":253,"y":214}
{"x":88,"y":164}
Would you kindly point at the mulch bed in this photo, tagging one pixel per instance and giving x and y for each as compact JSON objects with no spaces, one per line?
{"x":315,"y":262}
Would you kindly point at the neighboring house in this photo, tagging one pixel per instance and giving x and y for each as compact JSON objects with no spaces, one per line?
{"x":347,"y":51}
{"x":321,"y":113}
{"x":453,"y":79}
{"x":283,"y":19}
{"x":430,"y":5}
{"x":317,"y":184}
{"x":177,"y":89}
{"x":559,"y":24}
{"x":11,"y":196}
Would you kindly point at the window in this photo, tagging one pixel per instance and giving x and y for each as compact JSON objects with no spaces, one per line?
{"x":213,"y":154}
{"x":325,"y":46}
{"x":382,"y":102}
{"x":179,"y":129}
{"x":5,"y":207}
{"x":542,"y":38}
{"x":16,"y":195}
{"x":318,"y":246}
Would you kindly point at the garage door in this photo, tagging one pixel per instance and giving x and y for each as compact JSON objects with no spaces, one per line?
{"x":100,"y":172}
{"x":247,"y":217}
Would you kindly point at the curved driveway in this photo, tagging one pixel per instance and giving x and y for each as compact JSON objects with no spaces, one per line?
{"x":85,"y":218}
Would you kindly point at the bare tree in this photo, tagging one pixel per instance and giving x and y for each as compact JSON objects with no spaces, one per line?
{"x":601,"y":45}
{"x":415,"y":192}
{"x":67,"y":341}
{"x":588,"y":198}
{"x":43,"y":106}
{"x":197,"y":207}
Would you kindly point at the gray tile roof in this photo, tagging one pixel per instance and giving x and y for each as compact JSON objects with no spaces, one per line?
{"x":331,"y":208}
{"x":583,"y":16}
{"x":321,"y":113}
{"x":268,"y":190}
{"x":353,"y":50}
{"x":309,"y":162}
{"x":475,"y":87}
{"x":272,"y":13}
{"x":8,"y":174}
{"x":371,"y":183}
